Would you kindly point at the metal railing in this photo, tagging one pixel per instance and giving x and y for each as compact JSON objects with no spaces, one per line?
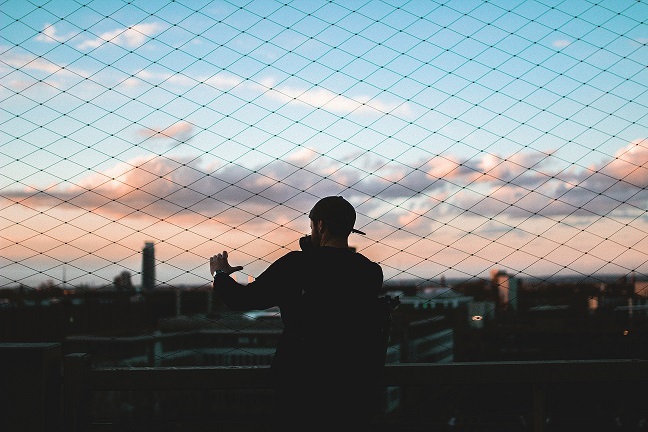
{"x":536,"y":396}
{"x":534,"y":383}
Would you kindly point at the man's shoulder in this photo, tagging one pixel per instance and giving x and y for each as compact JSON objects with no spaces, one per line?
{"x":329,"y":255}
{"x":367,"y":261}
{"x":286,"y":257}
{"x":292,"y":258}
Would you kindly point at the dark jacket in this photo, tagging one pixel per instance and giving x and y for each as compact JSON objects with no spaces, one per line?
{"x":327,"y":362}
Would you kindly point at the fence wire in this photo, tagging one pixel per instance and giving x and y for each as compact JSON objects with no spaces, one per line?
{"x":470,"y":135}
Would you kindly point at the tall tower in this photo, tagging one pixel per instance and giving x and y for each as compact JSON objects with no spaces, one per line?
{"x":506,"y":289}
{"x":148,"y":266}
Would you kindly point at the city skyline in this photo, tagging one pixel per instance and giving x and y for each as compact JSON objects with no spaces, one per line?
{"x":469,"y":135}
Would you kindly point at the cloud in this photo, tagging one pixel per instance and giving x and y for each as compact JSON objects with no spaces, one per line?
{"x":618,"y":184}
{"x":20,"y":61}
{"x":160,"y":187}
{"x":179,"y":132}
{"x":222,"y":81}
{"x":630,"y":165}
{"x":27,"y":61}
{"x":53,"y":76}
{"x":50,"y":34}
{"x":615,"y":186}
{"x":322,"y":98}
{"x":130,"y":37}
{"x":253,"y":209}
{"x":560,"y":43}
{"x":313,"y":97}
{"x":520,"y":168}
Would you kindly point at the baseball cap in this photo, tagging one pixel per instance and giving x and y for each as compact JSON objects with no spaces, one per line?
{"x":335,"y":210}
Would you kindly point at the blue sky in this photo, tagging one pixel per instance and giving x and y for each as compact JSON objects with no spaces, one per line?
{"x":470,"y":135}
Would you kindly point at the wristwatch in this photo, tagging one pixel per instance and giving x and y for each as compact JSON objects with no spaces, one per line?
{"x":219,"y":271}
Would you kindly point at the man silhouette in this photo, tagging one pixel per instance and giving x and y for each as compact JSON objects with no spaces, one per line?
{"x":327,"y":366}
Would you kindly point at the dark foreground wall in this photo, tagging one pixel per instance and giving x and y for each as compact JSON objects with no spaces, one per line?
{"x":30,"y":387}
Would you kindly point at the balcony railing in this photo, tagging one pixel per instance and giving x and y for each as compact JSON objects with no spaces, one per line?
{"x":49,"y":392}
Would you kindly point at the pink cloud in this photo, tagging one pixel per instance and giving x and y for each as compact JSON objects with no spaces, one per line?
{"x":525,"y":185}
{"x":520,"y":186}
{"x":630,"y":164}
{"x":179,"y":132}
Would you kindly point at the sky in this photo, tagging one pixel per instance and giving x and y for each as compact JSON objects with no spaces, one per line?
{"x":469,"y":135}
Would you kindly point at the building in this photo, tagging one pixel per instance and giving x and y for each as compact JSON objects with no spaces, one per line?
{"x":506,"y":288}
{"x":148,"y":266}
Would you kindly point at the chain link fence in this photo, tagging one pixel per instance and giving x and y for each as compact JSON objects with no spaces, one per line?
{"x":470,"y":136}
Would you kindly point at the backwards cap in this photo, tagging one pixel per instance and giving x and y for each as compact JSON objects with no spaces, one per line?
{"x":335,"y":210}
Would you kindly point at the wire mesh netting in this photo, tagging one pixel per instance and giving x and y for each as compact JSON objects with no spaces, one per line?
{"x":469,"y":135}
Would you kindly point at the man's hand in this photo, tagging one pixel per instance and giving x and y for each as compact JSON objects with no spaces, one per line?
{"x":219,"y":262}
